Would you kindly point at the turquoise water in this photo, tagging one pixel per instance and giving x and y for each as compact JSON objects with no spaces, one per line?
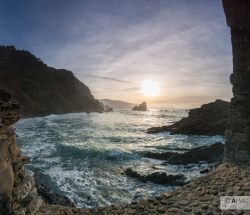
{"x":84,"y":155}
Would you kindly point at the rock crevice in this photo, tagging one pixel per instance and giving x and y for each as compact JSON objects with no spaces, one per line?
{"x":18,"y":194}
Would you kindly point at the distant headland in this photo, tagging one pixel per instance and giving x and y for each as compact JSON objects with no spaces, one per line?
{"x":42,"y":90}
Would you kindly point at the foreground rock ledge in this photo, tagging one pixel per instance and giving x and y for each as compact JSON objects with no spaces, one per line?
{"x":201,"y":196}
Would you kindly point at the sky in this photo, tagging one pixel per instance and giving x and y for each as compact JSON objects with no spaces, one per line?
{"x":114,"y":46}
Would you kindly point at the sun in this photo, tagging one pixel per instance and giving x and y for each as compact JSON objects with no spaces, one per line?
{"x":150,"y":88}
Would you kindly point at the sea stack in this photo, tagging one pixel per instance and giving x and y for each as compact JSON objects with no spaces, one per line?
{"x":141,"y":107}
{"x":18,"y":194}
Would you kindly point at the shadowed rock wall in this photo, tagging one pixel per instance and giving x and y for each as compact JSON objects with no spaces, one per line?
{"x":18,"y":194}
{"x":238,"y":129}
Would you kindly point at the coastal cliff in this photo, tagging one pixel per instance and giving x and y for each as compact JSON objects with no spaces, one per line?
{"x":18,"y":194}
{"x":42,"y":90}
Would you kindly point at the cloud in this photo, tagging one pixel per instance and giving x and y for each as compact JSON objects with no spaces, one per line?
{"x":108,"y":78}
{"x":184,"y":45}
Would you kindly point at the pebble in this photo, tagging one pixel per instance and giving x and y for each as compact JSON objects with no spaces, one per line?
{"x":167,"y":195}
{"x":161,"y":209}
{"x":204,"y":207}
{"x":173,"y":210}
{"x":187,"y":209}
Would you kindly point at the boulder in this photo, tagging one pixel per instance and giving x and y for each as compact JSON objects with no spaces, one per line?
{"x":210,"y":119}
{"x":209,"y":154}
{"x":157,"y":177}
{"x":140,"y":107}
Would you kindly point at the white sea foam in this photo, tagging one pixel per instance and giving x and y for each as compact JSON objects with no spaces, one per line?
{"x":86,"y":154}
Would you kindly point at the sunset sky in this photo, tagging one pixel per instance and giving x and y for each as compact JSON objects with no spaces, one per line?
{"x":116,"y":46}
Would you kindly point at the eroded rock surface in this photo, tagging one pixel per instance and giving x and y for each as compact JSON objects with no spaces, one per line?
{"x":238,"y":130}
{"x":18,"y":194}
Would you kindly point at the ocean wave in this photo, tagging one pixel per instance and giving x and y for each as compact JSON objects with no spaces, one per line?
{"x":84,"y":155}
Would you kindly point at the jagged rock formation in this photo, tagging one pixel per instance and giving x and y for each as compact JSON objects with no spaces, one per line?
{"x":209,"y":119}
{"x":141,"y":107}
{"x":18,"y":194}
{"x":238,"y":129}
{"x":41,"y":90}
{"x":117,"y":104}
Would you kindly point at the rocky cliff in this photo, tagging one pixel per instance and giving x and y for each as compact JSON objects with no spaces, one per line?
{"x":18,"y":194}
{"x":209,"y":119}
{"x":40,"y":89}
{"x":238,"y":129}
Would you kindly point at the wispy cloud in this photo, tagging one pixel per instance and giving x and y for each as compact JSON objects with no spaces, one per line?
{"x":107,"y":78}
{"x":184,"y":45}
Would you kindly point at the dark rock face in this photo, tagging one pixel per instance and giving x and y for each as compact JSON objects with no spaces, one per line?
{"x":237,"y":147}
{"x":158,"y":177}
{"x":40,"y":89}
{"x":210,"y":154}
{"x":209,"y":119}
{"x":141,"y":107}
{"x":18,"y":194}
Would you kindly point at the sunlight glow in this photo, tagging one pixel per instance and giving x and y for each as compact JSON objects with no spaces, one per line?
{"x":150,"y":88}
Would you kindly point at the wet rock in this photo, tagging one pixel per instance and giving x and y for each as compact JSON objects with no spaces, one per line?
{"x":48,"y":195}
{"x":141,"y":107}
{"x":210,"y":154}
{"x":158,"y":177}
{"x":209,"y":119}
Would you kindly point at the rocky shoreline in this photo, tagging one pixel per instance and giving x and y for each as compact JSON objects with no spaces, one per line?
{"x":21,"y":194}
{"x":201,"y":196}
{"x":210,"y":119}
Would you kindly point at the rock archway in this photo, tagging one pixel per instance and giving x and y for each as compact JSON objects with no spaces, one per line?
{"x":238,"y":129}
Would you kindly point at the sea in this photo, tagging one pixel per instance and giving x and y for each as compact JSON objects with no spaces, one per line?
{"x":83,"y":156}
